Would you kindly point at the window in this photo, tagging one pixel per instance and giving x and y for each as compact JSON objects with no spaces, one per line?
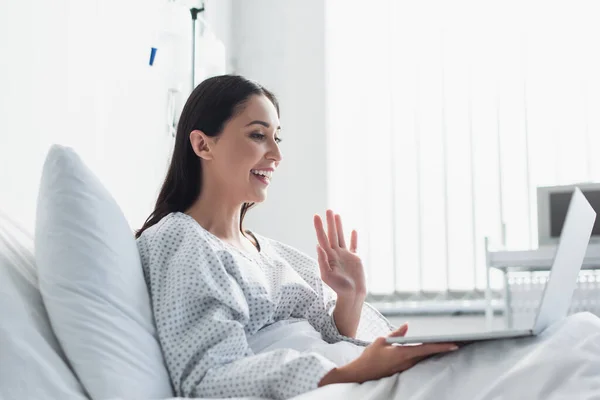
{"x":443,"y":118}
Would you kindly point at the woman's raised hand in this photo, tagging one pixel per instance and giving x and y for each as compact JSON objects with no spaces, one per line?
{"x":341,"y":268}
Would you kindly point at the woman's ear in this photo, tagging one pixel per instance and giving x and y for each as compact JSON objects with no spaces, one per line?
{"x":200,"y":145}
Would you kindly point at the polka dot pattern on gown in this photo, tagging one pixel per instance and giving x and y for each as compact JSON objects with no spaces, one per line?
{"x":208,"y":297}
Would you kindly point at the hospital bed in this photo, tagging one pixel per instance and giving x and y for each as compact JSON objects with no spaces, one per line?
{"x":41,"y":359}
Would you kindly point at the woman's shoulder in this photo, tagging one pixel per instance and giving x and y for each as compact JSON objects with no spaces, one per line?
{"x":286,"y":251}
{"x":177,"y":235}
{"x":174,"y":227}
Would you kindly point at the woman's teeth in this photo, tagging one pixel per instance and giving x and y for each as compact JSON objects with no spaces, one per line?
{"x":265,"y":174}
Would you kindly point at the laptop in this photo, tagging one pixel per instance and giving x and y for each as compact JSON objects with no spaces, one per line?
{"x":557,"y":295}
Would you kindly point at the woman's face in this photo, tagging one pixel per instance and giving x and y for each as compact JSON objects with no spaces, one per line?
{"x":246,"y":154}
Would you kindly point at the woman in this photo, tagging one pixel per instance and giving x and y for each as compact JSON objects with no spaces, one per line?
{"x":238,"y":314}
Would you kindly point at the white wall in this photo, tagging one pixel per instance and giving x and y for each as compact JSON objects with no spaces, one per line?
{"x":76,"y":72}
{"x":218,"y":13}
{"x":280,"y":44}
{"x":32,"y":98}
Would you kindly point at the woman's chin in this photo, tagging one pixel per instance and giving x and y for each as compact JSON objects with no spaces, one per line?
{"x":258,"y":197}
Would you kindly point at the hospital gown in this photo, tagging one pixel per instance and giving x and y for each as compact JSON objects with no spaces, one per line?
{"x":209,"y":298}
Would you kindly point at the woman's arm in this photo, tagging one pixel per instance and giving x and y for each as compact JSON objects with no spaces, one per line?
{"x":200,"y":313}
{"x":346,"y":314}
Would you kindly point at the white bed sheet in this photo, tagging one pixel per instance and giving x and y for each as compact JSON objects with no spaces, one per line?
{"x":562,"y":363}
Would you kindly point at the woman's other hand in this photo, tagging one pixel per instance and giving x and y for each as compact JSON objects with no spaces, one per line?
{"x":381,"y":359}
{"x":341,"y":268}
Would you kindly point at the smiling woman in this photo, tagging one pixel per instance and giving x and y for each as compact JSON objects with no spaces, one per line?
{"x":232,"y":125}
{"x":237,"y":314}
{"x":237,"y":164}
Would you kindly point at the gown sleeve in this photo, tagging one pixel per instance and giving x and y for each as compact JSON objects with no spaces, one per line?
{"x":320,"y":314}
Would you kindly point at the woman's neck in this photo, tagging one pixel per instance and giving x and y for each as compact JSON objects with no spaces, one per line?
{"x":220,"y":219}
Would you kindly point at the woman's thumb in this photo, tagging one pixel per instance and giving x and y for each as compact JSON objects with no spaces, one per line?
{"x":400,"y":331}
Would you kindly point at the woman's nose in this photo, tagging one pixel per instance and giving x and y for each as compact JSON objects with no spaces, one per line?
{"x":275,"y":153}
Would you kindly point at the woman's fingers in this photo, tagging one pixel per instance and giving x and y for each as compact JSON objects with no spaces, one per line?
{"x":340,"y":231}
{"x":331,"y":229}
{"x":334,"y":238}
{"x":353,"y":241}
{"x":428,"y":349}
{"x":400,"y":331}
{"x":322,"y":258}
{"x":324,"y":242}
{"x":321,"y":236}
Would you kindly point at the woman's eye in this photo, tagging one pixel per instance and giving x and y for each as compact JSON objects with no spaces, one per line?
{"x":260,"y":136}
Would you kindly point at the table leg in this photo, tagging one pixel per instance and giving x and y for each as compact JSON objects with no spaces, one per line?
{"x":507,"y":302}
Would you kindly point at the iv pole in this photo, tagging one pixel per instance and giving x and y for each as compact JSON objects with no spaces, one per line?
{"x":171,"y":119}
{"x":194,"y":12}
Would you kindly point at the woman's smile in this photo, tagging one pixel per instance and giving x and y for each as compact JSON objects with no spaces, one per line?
{"x":263,"y":175}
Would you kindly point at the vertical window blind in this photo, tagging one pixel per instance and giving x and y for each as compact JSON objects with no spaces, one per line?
{"x":443,"y":118}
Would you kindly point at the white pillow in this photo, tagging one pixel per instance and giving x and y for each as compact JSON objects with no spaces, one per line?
{"x":32,"y":364}
{"x":92,"y":284}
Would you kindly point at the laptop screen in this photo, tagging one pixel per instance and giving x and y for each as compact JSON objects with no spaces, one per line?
{"x":559,"y":203}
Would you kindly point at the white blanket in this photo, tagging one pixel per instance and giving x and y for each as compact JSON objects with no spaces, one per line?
{"x":301,"y":336}
{"x":562,"y":363}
